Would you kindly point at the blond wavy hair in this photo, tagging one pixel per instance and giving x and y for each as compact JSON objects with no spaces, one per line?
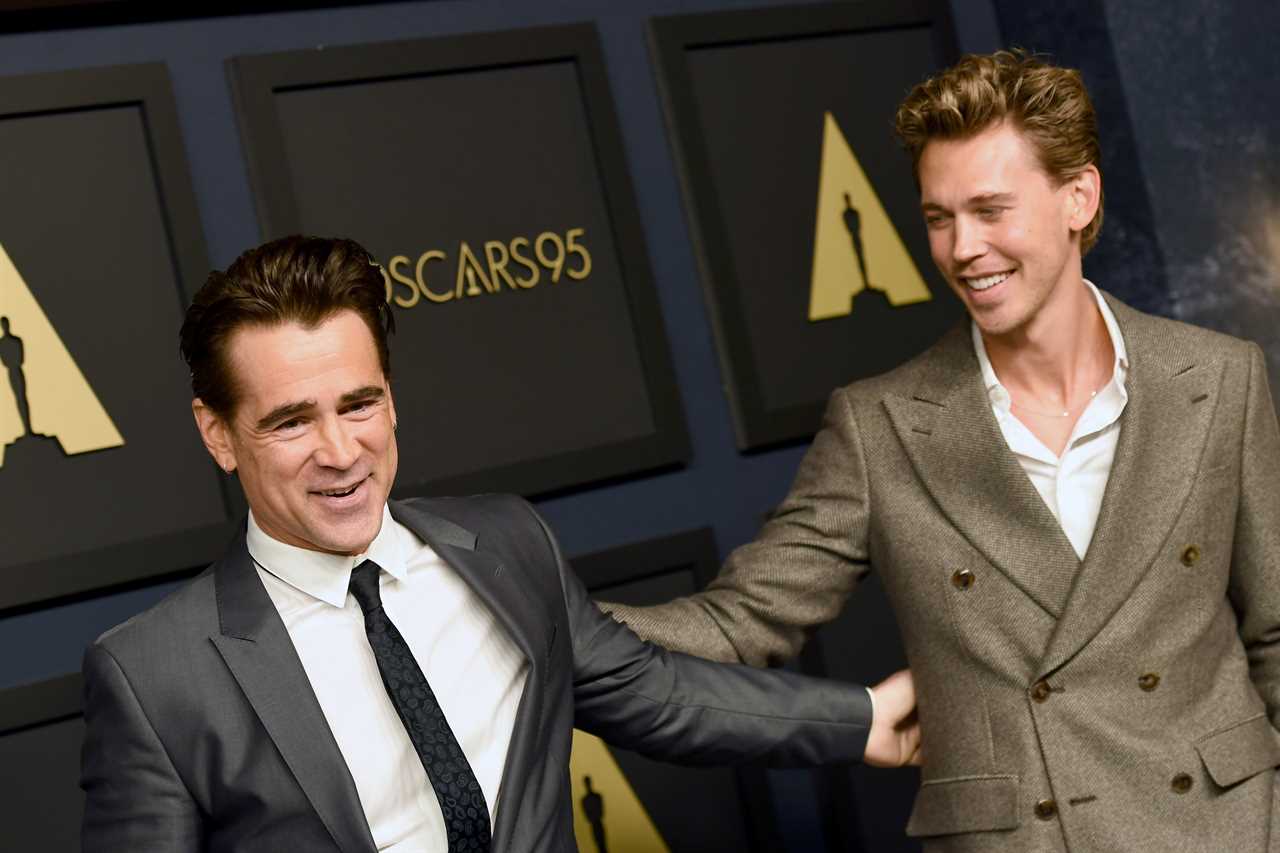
{"x":1047,"y":103}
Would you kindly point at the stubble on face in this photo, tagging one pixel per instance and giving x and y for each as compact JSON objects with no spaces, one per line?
{"x":313,"y":432}
{"x":999,"y":228}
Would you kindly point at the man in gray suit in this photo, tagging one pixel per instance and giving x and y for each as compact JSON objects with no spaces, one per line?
{"x":357,"y":674}
{"x":1074,"y":508}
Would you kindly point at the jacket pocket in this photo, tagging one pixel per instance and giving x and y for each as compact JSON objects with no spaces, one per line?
{"x":1240,"y":751}
{"x":965,"y":804}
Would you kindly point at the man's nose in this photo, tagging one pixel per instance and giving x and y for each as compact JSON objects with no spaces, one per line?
{"x":967,"y":242}
{"x":338,"y":447}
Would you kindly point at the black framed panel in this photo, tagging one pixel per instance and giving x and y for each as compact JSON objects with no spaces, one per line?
{"x":864,"y":808}
{"x":486,"y":174}
{"x":806,"y":221}
{"x":645,"y":800}
{"x":102,"y":476}
{"x":19,"y":15}
{"x":41,"y":729}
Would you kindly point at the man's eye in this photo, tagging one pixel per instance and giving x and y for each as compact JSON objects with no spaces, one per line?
{"x":935,"y":220}
{"x":292,"y":423}
{"x":989,"y":212}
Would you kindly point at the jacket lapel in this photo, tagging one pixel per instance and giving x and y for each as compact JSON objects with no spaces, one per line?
{"x":1173,"y":393}
{"x":256,"y":648}
{"x":528,"y":626}
{"x":955,"y":445}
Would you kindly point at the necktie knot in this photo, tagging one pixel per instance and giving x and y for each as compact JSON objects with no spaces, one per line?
{"x":364,"y":586}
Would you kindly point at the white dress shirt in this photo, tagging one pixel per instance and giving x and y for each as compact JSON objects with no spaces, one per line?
{"x":474,"y":668}
{"x":1072,"y":484}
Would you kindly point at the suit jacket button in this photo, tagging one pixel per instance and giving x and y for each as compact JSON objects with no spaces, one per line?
{"x":1190,"y":555}
{"x":963,"y":579}
{"x":1040,"y":692}
{"x":1046,"y":809}
{"x":1149,"y":681}
{"x":1181,"y":783}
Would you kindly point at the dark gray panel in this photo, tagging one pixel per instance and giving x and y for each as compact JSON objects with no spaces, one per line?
{"x":40,"y":798}
{"x":499,"y":148}
{"x":100,"y":224}
{"x":539,"y":372}
{"x":746,"y":95}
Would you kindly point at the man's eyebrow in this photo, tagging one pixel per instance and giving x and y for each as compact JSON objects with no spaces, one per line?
{"x":284,"y":412}
{"x":988,"y":198}
{"x":368,"y":392}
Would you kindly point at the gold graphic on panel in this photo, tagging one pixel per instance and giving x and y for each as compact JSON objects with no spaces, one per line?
{"x":608,"y":817}
{"x":43,"y":394}
{"x":855,"y":246}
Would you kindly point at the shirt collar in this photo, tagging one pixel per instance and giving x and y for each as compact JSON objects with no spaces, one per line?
{"x":327,"y":576}
{"x":999,"y":394}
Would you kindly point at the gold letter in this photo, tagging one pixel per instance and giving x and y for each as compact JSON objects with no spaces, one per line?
{"x":526,"y":262}
{"x":433,"y":255}
{"x":469,"y":269}
{"x":578,"y":249}
{"x":414,"y":296}
{"x":498,"y":265}
{"x":556,"y":264}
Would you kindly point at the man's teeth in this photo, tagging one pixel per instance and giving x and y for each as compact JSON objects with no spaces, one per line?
{"x":339,"y":493}
{"x":986,"y":281}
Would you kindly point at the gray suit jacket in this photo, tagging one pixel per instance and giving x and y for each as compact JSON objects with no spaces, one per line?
{"x":1138,"y":689}
{"x":204,"y":733}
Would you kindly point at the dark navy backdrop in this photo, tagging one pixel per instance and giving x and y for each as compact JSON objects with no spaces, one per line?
{"x":1183,"y":88}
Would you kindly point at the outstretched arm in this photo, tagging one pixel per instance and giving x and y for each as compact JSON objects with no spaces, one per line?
{"x":795,"y":576}
{"x":134,"y":799}
{"x":688,"y":710}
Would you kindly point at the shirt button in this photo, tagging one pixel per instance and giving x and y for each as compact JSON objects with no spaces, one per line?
{"x":1046,"y":809}
{"x":1190,"y":555}
{"x":963,"y":579}
{"x":1149,"y":681}
{"x":1040,"y":692}
{"x":1181,"y":783}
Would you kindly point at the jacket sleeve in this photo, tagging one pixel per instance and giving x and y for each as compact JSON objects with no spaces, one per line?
{"x":1255,"y":559}
{"x":795,"y":576}
{"x":688,"y":710}
{"x":134,"y":799}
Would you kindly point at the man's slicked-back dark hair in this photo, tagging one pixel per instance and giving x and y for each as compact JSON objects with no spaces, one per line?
{"x":303,"y":280}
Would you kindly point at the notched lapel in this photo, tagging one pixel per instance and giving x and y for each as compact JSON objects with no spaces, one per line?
{"x":958,"y":452}
{"x":1172,"y":399}
{"x":534,"y":634}
{"x":256,"y":648}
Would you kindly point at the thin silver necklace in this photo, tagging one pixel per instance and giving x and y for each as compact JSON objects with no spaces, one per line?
{"x":1065,"y":413}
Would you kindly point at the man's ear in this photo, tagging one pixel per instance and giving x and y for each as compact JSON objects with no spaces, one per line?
{"x":215,"y":433}
{"x":1084,"y":197}
{"x":391,"y":407}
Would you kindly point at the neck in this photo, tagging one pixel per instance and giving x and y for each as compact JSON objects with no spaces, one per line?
{"x":1064,"y":351}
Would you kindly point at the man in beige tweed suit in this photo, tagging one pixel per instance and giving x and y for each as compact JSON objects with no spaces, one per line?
{"x":1074,"y":507}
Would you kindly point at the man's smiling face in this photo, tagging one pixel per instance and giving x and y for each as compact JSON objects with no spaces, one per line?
{"x":1002,"y":233}
{"x":312,"y":434}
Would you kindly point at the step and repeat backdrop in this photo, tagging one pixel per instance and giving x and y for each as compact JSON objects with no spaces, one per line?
{"x":488,"y":173}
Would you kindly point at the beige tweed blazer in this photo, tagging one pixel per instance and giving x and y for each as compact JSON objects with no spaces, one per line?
{"x":1126,"y":702}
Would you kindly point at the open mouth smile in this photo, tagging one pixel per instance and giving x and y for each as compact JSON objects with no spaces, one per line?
{"x":985,"y":282}
{"x":341,"y":491}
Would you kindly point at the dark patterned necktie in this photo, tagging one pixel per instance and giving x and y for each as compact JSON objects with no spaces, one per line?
{"x":466,"y":816}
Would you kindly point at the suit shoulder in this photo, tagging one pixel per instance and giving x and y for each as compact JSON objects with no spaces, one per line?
{"x":188,"y":613}
{"x":461,"y":508}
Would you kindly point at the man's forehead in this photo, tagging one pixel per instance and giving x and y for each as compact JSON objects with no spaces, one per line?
{"x":337,"y":351}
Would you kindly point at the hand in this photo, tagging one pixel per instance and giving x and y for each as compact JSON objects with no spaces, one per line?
{"x":895,"y":730}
